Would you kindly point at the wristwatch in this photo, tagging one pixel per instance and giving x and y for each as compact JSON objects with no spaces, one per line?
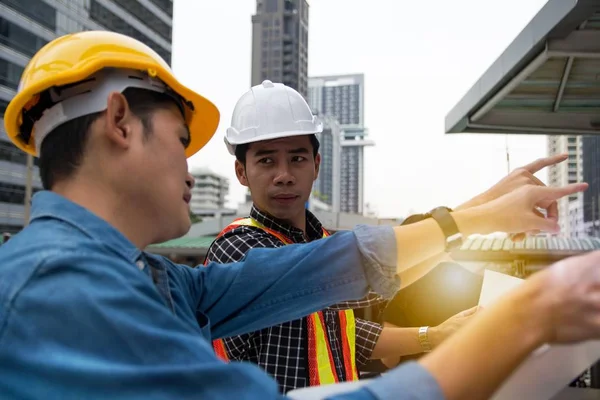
{"x":454,"y":238}
{"x":424,"y":339}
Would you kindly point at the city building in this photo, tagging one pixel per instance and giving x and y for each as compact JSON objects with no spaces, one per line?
{"x":209,"y":193}
{"x":570,"y":209}
{"x":26,"y":26}
{"x":342,"y":97}
{"x":280,"y":43}
{"x":591,"y":175}
{"x":326,"y":188}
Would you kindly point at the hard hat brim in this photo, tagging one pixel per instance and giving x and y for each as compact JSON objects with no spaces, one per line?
{"x":231,"y":145}
{"x":202,"y":121}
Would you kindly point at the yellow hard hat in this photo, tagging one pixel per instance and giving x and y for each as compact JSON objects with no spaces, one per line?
{"x":75,"y":58}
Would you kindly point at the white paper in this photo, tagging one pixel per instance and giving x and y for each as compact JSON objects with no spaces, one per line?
{"x":550,"y":368}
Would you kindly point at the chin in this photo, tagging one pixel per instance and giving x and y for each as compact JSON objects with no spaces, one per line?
{"x":185,"y":226}
{"x":284,"y":216}
{"x":175,"y":231}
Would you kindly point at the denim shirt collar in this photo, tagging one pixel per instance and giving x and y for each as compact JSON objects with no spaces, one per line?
{"x":47,"y":204}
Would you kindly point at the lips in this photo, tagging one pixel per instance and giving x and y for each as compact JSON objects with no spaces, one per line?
{"x":285,"y":197}
{"x":187,"y":198}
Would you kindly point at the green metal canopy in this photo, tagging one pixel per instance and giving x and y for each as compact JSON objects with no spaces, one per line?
{"x":546,"y":82}
{"x":190,"y":246}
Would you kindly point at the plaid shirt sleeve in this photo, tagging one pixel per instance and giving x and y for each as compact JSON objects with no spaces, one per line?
{"x":367,"y":335}
{"x":232,"y":247}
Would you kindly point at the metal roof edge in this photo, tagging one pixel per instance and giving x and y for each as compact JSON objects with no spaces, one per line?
{"x":556,"y":19}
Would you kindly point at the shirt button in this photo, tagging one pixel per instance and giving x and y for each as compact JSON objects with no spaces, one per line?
{"x":140,"y":264}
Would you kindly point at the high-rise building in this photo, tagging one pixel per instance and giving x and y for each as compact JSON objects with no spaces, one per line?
{"x":591,"y":175}
{"x":327,"y":186}
{"x":571,"y":208}
{"x":342,"y":97}
{"x":26,"y":26}
{"x":280,"y":43}
{"x":209,"y":193}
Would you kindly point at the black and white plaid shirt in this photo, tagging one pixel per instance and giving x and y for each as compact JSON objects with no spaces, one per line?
{"x":282,"y":350}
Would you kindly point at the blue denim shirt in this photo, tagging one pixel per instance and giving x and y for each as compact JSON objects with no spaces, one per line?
{"x":85,"y":314}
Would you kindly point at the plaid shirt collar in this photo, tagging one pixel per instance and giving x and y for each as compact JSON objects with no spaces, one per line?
{"x":314,"y":228}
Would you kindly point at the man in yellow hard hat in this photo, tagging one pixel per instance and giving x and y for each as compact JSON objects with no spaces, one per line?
{"x":86,"y":313}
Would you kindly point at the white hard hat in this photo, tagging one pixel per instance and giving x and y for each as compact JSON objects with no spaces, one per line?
{"x":270,"y":111}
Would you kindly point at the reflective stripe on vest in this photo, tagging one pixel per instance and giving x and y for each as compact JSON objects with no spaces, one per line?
{"x":321,"y":366}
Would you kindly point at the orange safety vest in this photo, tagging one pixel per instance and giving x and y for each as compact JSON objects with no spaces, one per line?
{"x":320,"y":359}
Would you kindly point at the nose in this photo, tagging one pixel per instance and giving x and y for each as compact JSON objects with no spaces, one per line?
{"x":189,"y":181}
{"x":284,"y":176}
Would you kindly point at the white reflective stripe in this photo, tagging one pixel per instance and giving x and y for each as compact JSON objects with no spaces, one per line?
{"x":91,"y":101}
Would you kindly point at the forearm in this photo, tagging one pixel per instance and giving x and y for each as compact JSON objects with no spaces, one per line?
{"x":397,"y":342}
{"x":271,"y":286}
{"x":423,"y":240}
{"x":507,"y":332}
{"x":390,"y":361}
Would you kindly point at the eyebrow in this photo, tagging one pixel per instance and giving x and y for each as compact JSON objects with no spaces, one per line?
{"x":266,"y":152}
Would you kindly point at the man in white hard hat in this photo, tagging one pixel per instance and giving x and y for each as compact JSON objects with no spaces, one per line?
{"x":85,"y":312}
{"x":272,"y":136}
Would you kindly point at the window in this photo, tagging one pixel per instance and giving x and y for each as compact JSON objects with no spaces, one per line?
{"x":3,"y":105}
{"x":146,"y":17}
{"x":10,"y":74}
{"x":10,"y":153}
{"x":572,"y":140}
{"x":289,"y":5}
{"x":19,"y":39}
{"x":12,"y":229}
{"x":271,"y":6}
{"x":103,"y":16}
{"x":13,"y":194}
{"x":36,"y":10}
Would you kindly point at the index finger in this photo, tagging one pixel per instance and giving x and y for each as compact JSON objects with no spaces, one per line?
{"x":545,"y":162}
{"x":552,"y":193}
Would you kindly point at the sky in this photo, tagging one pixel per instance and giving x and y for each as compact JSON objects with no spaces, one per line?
{"x":419,"y":58}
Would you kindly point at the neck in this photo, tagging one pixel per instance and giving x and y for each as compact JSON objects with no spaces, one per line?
{"x":105,"y":203}
{"x":298,"y":221}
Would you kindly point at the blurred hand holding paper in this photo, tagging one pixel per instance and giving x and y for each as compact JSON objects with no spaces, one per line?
{"x":550,"y":368}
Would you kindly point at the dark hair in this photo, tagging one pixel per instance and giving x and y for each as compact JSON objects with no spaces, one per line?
{"x":63,"y":149}
{"x":242,"y":149}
